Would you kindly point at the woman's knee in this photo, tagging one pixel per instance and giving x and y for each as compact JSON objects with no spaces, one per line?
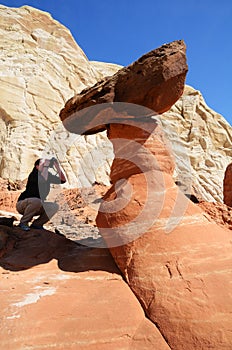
{"x":34,"y":203}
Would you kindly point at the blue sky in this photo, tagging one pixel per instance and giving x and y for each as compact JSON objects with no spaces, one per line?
{"x":123,"y":30}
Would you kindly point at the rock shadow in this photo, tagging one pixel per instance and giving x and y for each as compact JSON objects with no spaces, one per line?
{"x":20,"y":250}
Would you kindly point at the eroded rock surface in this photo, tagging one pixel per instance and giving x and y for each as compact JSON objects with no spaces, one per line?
{"x":42,"y":67}
{"x":218,"y":212}
{"x":105,"y":69}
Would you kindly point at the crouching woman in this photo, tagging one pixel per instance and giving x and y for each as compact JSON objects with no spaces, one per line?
{"x":32,"y":202}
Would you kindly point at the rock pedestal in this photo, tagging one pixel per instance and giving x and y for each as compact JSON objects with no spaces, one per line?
{"x":174,"y":258}
{"x":176,"y":261}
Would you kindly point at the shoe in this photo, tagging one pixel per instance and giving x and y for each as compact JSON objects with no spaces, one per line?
{"x":24,"y":227}
{"x":36,"y":227}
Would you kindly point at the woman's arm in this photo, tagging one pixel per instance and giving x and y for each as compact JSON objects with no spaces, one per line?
{"x":60,"y":172}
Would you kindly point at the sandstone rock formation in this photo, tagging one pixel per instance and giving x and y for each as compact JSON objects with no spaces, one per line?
{"x":57,"y":294}
{"x":227,"y":186}
{"x":201,"y":138}
{"x":180,"y":259}
{"x":41,"y":67}
{"x":173,"y":257}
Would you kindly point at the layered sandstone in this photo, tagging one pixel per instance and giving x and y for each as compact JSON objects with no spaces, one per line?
{"x":172,"y":255}
{"x":202,"y":142}
{"x":57,"y":294}
{"x":105,"y":69}
{"x":41,"y":67}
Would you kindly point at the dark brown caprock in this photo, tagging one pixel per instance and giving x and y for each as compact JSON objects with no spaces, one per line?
{"x":156,"y":81}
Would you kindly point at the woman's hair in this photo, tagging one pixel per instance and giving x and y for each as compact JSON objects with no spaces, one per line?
{"x":37,"y":162}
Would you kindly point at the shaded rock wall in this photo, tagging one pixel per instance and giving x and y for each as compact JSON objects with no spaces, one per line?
{"x":227,"y":189}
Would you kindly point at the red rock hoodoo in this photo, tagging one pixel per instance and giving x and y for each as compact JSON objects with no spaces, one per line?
{"x":177,"y":262}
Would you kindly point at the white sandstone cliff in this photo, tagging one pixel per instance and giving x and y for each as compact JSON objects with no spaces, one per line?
{"x":41,"y":67}
{"x":202,"y":144}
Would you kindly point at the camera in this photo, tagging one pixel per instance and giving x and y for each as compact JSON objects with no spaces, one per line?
{"x":52,"y":161}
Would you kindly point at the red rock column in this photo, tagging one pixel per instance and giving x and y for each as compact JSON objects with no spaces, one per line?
{"x":140,"y":173}
{"x":227,"y":188}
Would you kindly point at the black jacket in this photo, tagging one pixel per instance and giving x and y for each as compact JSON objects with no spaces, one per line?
{"x":37,"y":186}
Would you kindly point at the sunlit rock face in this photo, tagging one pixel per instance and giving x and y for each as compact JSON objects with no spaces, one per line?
{"x":41,"y":67}
{"x":143,"y":83}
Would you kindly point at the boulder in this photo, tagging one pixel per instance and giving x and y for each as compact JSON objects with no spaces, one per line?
{"x":143,"y":83}
{"x":227,"y":186}
{"x":58,"y":294}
